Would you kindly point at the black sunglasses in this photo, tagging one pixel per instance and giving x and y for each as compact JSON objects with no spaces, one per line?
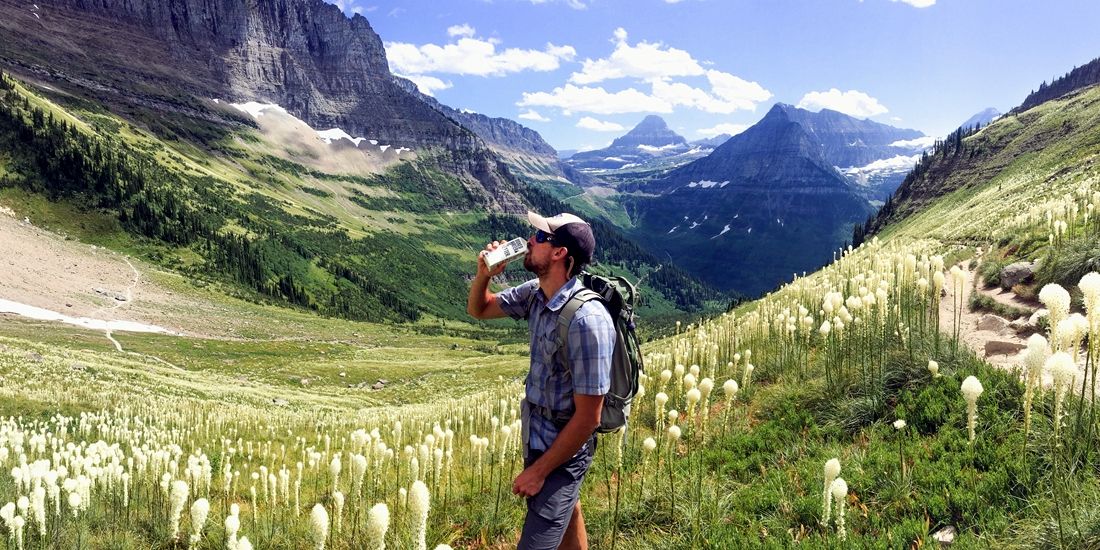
{"x":542,"y":236}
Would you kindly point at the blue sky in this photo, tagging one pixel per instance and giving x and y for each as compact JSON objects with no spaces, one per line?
{"x":582,"y":72}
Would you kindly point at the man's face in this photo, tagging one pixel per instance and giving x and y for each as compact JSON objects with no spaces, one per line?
{"x":539,"y":254}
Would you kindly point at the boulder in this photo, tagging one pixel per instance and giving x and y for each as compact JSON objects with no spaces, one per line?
{"x":279,"y":401}
{"x":945,"y":535}
{"x":992,"y":323}
{"x":1034,"y":319}
{"x":1019,"y":272}
{"x":378,"y":386}
{"x":34,"y":357}
{"x":998,"y":347}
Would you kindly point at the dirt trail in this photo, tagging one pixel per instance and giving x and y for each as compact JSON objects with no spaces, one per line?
{"x":976,"y":339}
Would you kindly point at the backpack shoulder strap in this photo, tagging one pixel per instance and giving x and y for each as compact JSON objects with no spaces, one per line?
{"x":531,"y":300}
{"x":565,"y":318}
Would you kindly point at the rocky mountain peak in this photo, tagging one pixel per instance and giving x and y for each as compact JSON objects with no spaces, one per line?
{"x":652,"y":131}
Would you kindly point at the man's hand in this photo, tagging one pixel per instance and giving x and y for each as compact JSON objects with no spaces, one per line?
{"x":529,"y":482}
{"x":482,"y":304}
{"x":482,"y":269}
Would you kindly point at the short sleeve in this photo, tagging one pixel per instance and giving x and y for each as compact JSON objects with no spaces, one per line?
{"x":513,"y":301}
{"x":591,"y":346}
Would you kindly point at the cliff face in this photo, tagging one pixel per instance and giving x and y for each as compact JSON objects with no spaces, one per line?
{"x":849,"y":141}
{"x":303,"y":55}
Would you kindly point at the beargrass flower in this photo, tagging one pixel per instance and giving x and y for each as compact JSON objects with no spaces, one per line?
{"x":839,"y":490}
{"x":1034,"y":360}
{"x":1057,"y":301}
{"x":318,"y":525}
{"x":199,"y":510}
{"x":244,"y":544}
{"x":971,"y":389}
{"x":1062,"y":368}
{"x":232,"y":525}
{"x":378,"y":522}
{"x":177,"y":500}
{"x":418,"y":508}
{"x":693,"y":397}
{"x":832,"y":469}
{"x":934,"y":368}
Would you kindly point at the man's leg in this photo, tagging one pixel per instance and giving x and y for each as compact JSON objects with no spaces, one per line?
{"x":576,"y":538}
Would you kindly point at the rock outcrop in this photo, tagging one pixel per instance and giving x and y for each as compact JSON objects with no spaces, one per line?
{"x":303,"y":55}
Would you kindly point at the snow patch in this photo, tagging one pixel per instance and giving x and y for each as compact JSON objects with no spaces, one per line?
{"x":707,"y":184}
{"x":673,"y":229}
{"x":37,"y":313}
{"x":919,"y":144}
{"x":336,"y":134}
{"x":257,"y":109}
{"x":897,"y":164}
{"x":661,"y":149}
{"x":723,"y":232}
{"x":383,"y":147}
{"x":694,"y":225}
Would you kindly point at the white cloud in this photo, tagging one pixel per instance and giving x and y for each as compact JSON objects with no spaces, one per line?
{"x":532,"y":114}
{"x":426,"y":84}
{"x":724,"y":128}
{"x":917,"y":3}
{"x":575,"y":4}
{"x":460,"y":30}
{"x":736,"y":90}
{"x":645,"y":61}
{"x":473,"y":56}
{"x":589,"y":123}
{"x":596,"y":100}
{"x":851,"y":102}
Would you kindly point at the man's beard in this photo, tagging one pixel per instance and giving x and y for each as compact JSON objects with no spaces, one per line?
{"x":530,"y":264}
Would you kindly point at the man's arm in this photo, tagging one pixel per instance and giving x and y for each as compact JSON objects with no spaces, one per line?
{"x":482,"y":304}
{"x":570,"y":440}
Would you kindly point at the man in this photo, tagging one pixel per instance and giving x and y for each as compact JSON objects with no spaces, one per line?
{"x":556,"y":454}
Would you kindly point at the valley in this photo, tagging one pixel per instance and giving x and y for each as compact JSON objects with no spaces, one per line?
{"x":291,"y":226}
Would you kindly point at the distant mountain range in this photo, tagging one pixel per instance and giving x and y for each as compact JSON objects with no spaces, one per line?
{"x":767,"y":203}
{"x":649,"y":145}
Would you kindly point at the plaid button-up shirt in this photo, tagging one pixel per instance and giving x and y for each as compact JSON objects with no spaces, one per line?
{"x":591,"y":344}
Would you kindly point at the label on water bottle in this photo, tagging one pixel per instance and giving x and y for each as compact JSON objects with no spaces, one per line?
{"x":507,"y":251}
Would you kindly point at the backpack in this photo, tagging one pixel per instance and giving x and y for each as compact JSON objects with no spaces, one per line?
{"x":619,"y":297}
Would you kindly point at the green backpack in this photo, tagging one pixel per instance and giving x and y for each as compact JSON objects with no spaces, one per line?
{"x":619,"y":297}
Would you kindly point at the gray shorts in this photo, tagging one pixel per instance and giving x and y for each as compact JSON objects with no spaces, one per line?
{"x":549,"y":512}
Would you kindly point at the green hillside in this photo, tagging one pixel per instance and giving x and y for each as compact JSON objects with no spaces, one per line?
{"x":1013,"y":171}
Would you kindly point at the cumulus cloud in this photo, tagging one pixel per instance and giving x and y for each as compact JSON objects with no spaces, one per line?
{"x":473,"y":56}
{"x":644,"y":61}
{"x":917,"y":3}
{"x":460,"y":30}
{"x":532,"y":114}
{"x":736,"y":90}
{"x":426,"y":84}
{"x":589,"y":123}
{"x":596,"y":100}
{"x":851,"y":102}
{"x":724,"y":128}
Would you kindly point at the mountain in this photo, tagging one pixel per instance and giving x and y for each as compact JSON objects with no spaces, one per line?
{"x":982,"y":118}
{"x":712,"y":142}
{"x":266,"y":147}
{"x":763,"y":205}
{"x":873,"y":156}
{"x":523,"y":149}
{"x":650,"y":139}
